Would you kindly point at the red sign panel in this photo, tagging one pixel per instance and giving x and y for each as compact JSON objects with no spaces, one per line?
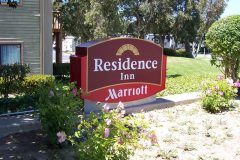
{"x":121,"y":69}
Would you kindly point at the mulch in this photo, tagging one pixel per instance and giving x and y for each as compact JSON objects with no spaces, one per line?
{"x":24,"y":146}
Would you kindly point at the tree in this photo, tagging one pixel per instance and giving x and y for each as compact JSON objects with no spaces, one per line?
{"x":187,"y":21}
{"x":147,"y":16}
{"x":104,"y":18}
{"x":73,"y":19}
{"x":159,"y":17}
{"x":90,"y":19}
{"x":223,"y":38}
{"x":210,"y":11}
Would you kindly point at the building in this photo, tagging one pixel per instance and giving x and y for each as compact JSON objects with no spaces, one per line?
{"x":26,"y":34}
{"x":69,"y":44}
{"x":168,"y":40}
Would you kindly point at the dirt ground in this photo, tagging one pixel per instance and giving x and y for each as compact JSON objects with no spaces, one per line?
{"x":184,"y":132}
{"x":30,"y":146}
{"x":187,"y":132}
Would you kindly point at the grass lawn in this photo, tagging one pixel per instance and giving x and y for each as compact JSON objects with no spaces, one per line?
{"x":187,"y":74}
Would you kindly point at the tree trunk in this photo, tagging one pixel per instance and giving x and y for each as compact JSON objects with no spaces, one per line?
{"x":187,"y":46}
{"x":5,"y":95}
{"x":58,"y":47}
{"x":199,"y":44}
{"x":234,"y":70}
{"x":162,"y":38}
{"x":194,"y":54}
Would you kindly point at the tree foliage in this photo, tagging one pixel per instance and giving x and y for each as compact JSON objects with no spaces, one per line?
{"x":223,"y":38}
{"x":185,"y":19}
{"x":210,"y":11}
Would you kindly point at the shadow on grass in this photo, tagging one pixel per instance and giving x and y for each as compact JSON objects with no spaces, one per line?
{"x":174,"y":76}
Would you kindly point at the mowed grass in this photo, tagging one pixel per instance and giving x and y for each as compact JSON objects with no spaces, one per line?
{"x":186,"y":74}
{"x":188,"y":66}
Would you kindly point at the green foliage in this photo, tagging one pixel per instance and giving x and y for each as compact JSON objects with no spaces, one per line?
{"x":97,"y":19}
{"x":187,"y":21}
{"x":73,"y":16}
{"x":223,"y":39}
{"x":169,"y":52}
{"x":217,"y":95}
{"x":58,"y":107}
{"x":33,"y":83}
{"x":11,"y":77}
{"x":177,"y":53}
{"x":17,"y":104}
{"x":61,"y":69}
{"x":107,"y":135}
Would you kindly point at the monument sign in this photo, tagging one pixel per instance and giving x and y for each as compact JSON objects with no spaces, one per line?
{"x":118,"y":69}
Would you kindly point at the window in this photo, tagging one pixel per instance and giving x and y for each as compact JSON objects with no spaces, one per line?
{"x":4,"y":2}
{"x":10,"y":53}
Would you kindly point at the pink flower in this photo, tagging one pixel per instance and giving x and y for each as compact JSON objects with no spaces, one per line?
{"x":153,"y":138}
{"x":106,"y":108}
{"x":221,"y":93}
{"x":216,"y":88}
{"x":120,"y":140}
{"x":106,"y":132}
{"x":51,"y":93}
{"x":209,"y":91}
{"x":220,"y":77}
{"x":108,"y":121}
{"x":61,"y":136}
{"x":74,"y":91}
{"x":236,"y":84}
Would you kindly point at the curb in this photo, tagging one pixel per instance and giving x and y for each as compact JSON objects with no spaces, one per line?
{"x":166,"y":102}
{"x":27,"y":122}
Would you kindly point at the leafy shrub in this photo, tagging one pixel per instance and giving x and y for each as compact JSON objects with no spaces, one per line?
{"x":177,"y":53}
{"x":169,"y":52}
{"x":183,"y":53}
{"x":61,"y":69}
{"x":33,"y":83}
{"x":217,"y":95}
{"x":11,"y":77}
{"x":58,"y":107}
{"x":17,"y":104}
{"x":223,"y":39}
{"x":107,"y":135}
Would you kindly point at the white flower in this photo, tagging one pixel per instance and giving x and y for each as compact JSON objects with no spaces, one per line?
{"x":230,"y":81}
{"x":105,"y":108}
{"x":108,"y":121}
{"x":120,"y":105}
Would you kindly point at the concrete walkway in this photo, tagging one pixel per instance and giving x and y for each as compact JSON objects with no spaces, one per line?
{"x":25,"y":123}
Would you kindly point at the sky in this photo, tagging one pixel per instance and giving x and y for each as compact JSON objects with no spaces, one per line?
{"x":232,"y":8}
